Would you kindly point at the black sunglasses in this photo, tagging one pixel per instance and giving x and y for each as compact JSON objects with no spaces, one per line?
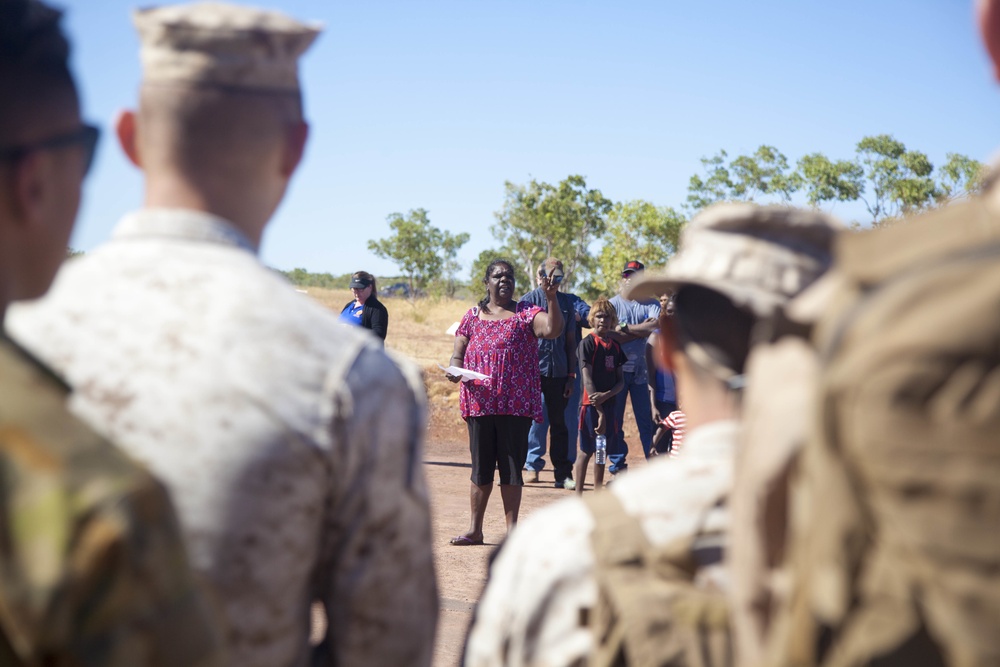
{"x":86,"y":136}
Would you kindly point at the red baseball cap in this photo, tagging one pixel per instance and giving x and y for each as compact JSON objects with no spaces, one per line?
{"x":634,"y":265}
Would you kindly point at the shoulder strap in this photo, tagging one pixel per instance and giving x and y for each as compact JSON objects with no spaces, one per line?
{"x":649,"y":610}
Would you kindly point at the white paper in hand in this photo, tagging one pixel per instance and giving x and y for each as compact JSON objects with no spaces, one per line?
{"x":464,"y":373}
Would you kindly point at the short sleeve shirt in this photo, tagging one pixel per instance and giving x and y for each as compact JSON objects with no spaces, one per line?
{"x":635,"y":312}
{"x":507,"y":351}
{"x":552,"y":361}
{"x":351,"y":314}
{"x":666,"y":387}
{"x":604,"y":357}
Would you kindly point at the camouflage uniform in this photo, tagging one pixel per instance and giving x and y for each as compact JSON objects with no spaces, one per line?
{"x":291,"y":443}
{"x":778,"y":409}
{"x":92,"y":566}
{"x":896,"y":547}
{"x":543,"y":584}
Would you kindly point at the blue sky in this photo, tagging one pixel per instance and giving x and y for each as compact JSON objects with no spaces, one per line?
{"x":434,"y":104}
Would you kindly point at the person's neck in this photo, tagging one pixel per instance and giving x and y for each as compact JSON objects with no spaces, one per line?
{"x":507,"y":305}
{"x":243,"y":210}
{"x":710,"y":407}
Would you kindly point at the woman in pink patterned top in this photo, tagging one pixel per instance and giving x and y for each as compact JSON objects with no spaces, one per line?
{"x":498,"y":338}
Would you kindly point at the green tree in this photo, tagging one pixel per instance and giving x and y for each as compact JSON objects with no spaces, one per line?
{"x":635,"y":230}
{"x":450,"y":245}
{"x":959,"y":176}
{"x":419,"y":249}
{"x":716,"y":186}
{"x":900,"y":180}
{"x":539,"y":220}
{"x":763,"y":174}
{"x":302,"y":278}
{"x":827,"y":181}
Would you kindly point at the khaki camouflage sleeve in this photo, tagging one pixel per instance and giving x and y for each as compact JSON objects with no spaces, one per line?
{"x":377,"y":578}
{"x":130,"y":598}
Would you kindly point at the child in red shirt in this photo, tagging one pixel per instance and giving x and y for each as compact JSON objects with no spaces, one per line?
{"x":601,"y":360}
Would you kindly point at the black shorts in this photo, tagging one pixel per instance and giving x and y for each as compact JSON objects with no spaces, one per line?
{"x":588,"y":422}
{"x":498,"y":441}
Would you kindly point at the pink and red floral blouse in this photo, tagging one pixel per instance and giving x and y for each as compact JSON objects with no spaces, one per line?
{"x":507,"y":351}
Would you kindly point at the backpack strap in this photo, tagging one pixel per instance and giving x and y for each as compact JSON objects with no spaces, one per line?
{"x":650,"y":610}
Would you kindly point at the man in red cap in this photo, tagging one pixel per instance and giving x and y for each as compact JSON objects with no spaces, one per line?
{"x":638,"y":318}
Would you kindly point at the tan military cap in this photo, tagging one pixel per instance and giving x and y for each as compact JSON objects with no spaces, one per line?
{"x":758,"y":256}
{"x":222,"y":45}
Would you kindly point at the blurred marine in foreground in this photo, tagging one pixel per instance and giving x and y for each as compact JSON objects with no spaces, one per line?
{"x":895,"y":546}
{"x":92,"y":565}
{"x":264,"y":416}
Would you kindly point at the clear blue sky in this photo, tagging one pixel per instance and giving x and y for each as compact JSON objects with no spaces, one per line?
{"x":434,"y":104}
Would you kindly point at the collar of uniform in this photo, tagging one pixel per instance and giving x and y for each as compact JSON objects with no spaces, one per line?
{"x":181,"y":224}
{"x":714,"y":440}
{"x":12,"y":353}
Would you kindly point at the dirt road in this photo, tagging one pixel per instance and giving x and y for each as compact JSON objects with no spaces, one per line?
{"x":462,"y":570}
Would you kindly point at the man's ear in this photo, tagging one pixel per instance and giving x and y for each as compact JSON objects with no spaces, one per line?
{"x":125,"y":128}
{"x":295,"y":147}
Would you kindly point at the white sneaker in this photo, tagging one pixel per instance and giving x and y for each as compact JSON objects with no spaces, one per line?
{"x":569,"y":484}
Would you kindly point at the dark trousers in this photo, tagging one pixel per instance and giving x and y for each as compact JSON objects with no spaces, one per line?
{"x":555,"y":409}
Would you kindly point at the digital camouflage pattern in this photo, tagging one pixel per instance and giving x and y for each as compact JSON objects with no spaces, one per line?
{"x":896,"y":552}
{"x":291,"y":443}
{"x":543,"y":589}
{"x":777,"y":416}
{"x":222,"y":45}
{"x":659,"y":606}
{"x":92,"y":567}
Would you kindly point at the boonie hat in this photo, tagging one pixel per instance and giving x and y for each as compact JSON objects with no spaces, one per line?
{"x":758,"y":256}
{"x":220,"y":45}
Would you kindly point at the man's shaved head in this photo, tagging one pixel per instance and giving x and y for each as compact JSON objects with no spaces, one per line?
{"x":203,"y":129}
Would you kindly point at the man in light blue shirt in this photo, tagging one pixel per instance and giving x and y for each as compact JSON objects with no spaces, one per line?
{"x":557,"y":367}
{"x":638,"y":318}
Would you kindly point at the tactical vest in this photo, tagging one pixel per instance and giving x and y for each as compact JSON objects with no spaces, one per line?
{"x":900,"y":563}
{"x":651,"y":610}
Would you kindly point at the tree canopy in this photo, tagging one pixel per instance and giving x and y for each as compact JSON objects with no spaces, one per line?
{"x":635,"y":230}
{"x":539,"y":220}
{"x":595,"y":236}
{"x":422,"y":252}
